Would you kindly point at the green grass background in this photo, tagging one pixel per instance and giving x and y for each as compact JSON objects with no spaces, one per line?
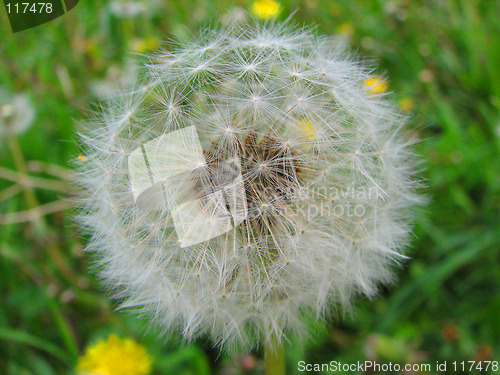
{"x":442,"y":54}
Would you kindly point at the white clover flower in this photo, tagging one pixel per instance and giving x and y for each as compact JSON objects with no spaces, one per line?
{"x":16,"y":113}
{"x":249,"y":180}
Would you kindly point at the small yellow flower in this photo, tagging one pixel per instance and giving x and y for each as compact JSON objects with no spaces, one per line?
{"x":345,"y":29}
{"x":406,"y":104}
{"x":264,"y":9}
{"x":82,"y":158}
{"x":145,"y":44}
{"x":308,"y":129}
{"x":115,"y":356}
{"x":376,"y":85}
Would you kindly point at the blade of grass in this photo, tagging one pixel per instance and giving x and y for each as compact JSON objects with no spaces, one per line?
{"x":408,"y":298}
{"x":64,"y":328}
{"x":25,"y":338}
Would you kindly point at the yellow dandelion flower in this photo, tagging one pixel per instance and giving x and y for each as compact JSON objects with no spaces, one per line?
{"x":406,"y":104}
{"x":376,"y":85}
{"x":308,"y":129}
{"x":115,"y":356}
{"x":145,"y":44}
{"x":264,"y":9}
{"x":346,"y":29}
{"x":82,"y":158}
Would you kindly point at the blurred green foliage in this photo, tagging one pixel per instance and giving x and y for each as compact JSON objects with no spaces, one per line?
{"x":442,"y":57}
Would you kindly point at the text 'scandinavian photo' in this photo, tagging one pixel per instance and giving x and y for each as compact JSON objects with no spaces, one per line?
{"x":250,"y":178}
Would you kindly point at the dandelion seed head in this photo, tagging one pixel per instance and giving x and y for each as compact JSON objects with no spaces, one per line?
{"x":133,"y":9}
{"x":16,"y":113}
{"x":233,"y":202}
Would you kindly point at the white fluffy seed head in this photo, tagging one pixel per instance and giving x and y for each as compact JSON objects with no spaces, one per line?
{"x":249,"y":180}
{"x":16,"y":113}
